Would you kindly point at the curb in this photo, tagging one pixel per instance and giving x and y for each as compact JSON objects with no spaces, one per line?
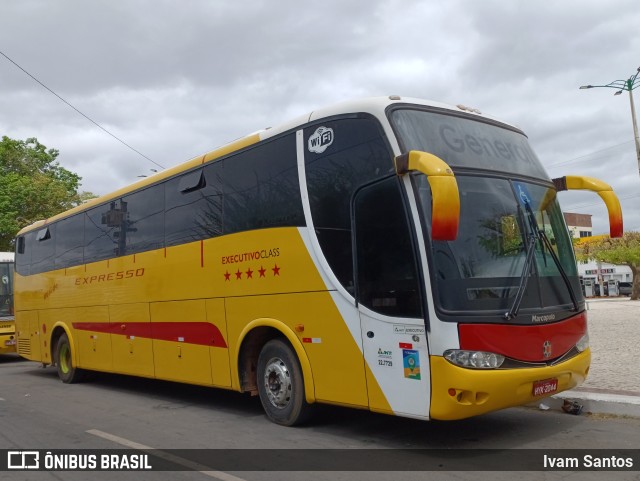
{"x":604,"y":402}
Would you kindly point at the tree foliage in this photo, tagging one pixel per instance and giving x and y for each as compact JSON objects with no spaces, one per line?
{"x":33,"y":186}
{"x":624,"y":250}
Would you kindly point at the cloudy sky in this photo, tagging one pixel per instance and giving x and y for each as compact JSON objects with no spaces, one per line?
{"x":174,"y":79}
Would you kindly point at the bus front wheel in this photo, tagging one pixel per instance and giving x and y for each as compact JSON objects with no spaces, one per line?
{"x":281,"y":385}
{"x":67,"y":372}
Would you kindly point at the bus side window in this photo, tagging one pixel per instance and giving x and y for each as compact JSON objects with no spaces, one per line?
{"x":101,"y":224}
{"x":193,"y":206}
{"x":69,"y":241}
{"x":143,"y":225}
{"x":42,"y":258}
{"x":358,"y":154}
{"x":261,"y":187}
{"x":387,"y":269}
{"x":23,"y":253}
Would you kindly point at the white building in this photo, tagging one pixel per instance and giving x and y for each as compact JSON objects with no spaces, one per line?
{"x":589,"y":270}
{"x":579,"y":226}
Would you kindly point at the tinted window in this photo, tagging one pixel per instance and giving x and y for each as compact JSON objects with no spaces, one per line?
{"x":6,"y":288}
{"x":143,"y":226}
{"x":102,"y":226}
{"x":193,"y":206}
{"x":463,"y":141}
{"x":357,"y":154}
{"x":69,"y":241}
{"x":387,"y":270}
{"x":42,"y":257}
{"x":23,"y":253}
{"x":482,"y":269}
{"x":261,"y":187}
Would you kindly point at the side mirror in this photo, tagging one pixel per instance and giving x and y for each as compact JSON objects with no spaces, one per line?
{"x":445,"y":209}
{"x":577,"y":182}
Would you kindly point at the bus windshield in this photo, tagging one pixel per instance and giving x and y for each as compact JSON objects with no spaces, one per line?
{"x":480,"y":273}
{"x":6,"y":289}
{"x":482,"y":269}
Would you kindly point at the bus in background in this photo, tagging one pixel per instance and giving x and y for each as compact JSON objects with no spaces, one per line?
{"x":390,"y":254}
{"x":7,"y":323}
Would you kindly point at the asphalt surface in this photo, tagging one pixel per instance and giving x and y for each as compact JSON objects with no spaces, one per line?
{"x":613,"y":384}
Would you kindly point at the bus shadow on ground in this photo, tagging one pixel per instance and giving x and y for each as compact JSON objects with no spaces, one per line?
{"x":11,"y":359}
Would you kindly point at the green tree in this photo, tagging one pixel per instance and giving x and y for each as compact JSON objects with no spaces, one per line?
{"x":623,"y":251}
{"x":33,"y":186}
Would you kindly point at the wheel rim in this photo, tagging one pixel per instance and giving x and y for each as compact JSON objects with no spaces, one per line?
{"x":277,"y":383}
{"x":65,"y":358}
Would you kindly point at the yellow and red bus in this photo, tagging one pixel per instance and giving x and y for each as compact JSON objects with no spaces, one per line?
{"x":390,"y":254}
{"x":7,"y":322}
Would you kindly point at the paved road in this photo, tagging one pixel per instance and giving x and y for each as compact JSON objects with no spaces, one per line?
{"x":38,"y":411}
{"x":614,"y":334}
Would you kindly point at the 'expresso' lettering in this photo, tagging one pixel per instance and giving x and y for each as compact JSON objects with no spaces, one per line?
{"x":112,"y":276}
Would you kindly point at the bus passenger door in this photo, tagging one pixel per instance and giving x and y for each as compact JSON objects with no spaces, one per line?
{"x":389,"y":302}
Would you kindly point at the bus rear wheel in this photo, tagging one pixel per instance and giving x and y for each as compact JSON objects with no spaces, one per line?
{"x":281,"y":385}
{"x":67,"y":372}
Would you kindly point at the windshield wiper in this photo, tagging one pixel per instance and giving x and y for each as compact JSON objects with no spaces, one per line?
{"x":537,"y":235}
{"x":526,"y":272}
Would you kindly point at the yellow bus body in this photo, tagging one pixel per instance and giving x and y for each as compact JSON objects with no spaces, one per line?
{"x":278,"y":288}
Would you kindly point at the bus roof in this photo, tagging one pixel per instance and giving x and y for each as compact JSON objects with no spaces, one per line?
{"x":372,"y":105}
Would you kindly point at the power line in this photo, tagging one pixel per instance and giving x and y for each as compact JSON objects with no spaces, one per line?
{"x":588,"y":155}
{"x":624,"y":197}
{"x":84,"y":115}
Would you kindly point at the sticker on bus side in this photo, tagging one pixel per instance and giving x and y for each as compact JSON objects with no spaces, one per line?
{"x":321,"y":139}
{"x":408,"y":329}
{"x":411,"y":363}
{"x":385,"y":357}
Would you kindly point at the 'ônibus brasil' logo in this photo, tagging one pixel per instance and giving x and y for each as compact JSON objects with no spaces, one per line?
{"x":320,"y":140}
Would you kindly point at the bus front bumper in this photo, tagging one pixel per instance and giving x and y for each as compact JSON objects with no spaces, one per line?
{"x":458,"y":393}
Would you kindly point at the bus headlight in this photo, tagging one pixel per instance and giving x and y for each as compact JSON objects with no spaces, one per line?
{"x":583,"y":343}
{"x":474,"y":359}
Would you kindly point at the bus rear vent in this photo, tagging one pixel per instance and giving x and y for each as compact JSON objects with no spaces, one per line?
{"x":24,"y":347}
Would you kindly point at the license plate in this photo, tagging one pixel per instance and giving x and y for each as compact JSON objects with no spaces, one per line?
{"x":10,"y":342}
{"x":542,"y":388}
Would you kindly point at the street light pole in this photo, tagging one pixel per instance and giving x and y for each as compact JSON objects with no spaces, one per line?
{"x":629,"y":85}
{"x":635,"y":125}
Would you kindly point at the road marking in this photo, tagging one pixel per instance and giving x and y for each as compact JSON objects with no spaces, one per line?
{"x":221,"y":475}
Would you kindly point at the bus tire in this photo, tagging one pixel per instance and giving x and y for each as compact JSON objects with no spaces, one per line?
{"x":281,"y":384}
{"x":67,"y":372}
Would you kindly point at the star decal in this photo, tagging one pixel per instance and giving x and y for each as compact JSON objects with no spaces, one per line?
{"x":250,"y":271}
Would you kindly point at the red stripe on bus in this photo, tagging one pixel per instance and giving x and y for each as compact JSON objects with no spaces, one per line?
{"x":525,"y":343}
{"x":200,"y":333}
